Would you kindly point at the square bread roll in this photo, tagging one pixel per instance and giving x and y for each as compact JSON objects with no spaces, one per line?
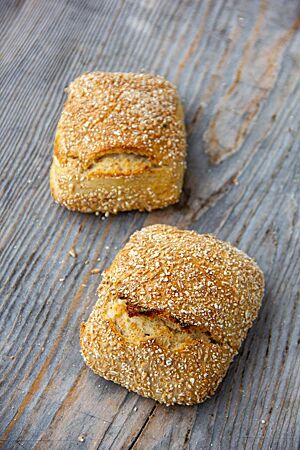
{"x":120,"y":144}
{"x":173,"y":310}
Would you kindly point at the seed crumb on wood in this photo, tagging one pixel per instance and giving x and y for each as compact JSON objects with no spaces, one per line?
{"x":95,"y":270}
{"x":81,"y":438}
{"x":72,"y":252}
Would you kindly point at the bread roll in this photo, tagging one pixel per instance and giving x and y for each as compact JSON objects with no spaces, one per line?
{"x":173,"y":310}
{"x":120,"y":144}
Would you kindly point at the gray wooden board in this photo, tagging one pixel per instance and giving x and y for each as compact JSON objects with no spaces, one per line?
{"x":236,"y":64}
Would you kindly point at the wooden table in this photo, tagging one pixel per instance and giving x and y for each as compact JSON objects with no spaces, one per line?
{"x":236,"y":64}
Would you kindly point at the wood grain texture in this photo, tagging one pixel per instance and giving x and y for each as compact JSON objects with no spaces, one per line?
{"x":236,"y":65}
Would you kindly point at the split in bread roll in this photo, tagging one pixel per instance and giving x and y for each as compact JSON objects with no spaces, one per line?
{"x":173,"y":310}
{"x":120,"y":144}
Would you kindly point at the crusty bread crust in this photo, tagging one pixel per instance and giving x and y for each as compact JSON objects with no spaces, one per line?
{"x":172,"y":312}
{"x":120,"y":144}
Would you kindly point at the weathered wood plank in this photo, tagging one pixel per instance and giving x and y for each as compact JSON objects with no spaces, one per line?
{"x":236,"y":65}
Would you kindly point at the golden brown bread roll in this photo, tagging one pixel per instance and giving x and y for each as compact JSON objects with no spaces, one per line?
{"x":120,"y":144}
{"x":173,"y":310}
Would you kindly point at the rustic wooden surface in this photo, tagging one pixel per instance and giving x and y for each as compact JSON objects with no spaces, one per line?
{"x":237,"y":66}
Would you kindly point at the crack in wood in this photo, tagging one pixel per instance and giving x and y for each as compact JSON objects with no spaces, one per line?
{"x":142,"y":429}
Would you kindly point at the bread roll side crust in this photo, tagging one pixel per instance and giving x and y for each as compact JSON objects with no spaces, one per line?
{"x":152,"y":188}
{"x":187,"y":375}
